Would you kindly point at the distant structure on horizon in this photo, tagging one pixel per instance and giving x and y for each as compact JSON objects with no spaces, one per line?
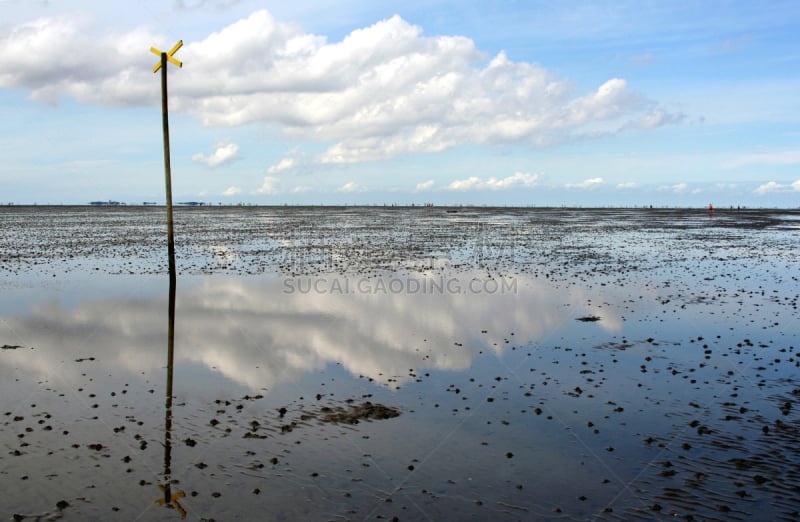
{"x":108,"y":203}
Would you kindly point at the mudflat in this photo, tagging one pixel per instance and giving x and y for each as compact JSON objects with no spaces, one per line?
{"x":361,"y":363}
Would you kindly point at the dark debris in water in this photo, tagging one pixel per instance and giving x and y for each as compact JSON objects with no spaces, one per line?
{"x":353,"y":414}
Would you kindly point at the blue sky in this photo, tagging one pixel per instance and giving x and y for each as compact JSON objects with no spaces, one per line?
{"x":451,"y":102}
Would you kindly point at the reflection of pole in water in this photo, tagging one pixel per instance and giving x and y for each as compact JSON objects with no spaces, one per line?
{"x":169,"y":498}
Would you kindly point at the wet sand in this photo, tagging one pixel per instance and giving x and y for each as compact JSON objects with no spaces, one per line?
{"x":424,"y":364}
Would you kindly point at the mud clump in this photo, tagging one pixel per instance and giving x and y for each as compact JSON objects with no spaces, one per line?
{"x":356,"y":413}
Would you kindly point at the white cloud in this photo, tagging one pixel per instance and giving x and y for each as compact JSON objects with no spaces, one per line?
{"x":627,"y":185}
{"x":231,"y":191}
{"x":269,"y":186}
{"x":586,"y":184}
{"x":657,"y":118}
{"x":425,"y":185}
{"x":770,"y":186}
{"x":773,"y":186}
{"x":382,"y":91}
{"x":57,"y":56}
{"x":284,"y":164}
{"x":519,"y":179}
{"x":678,"y":188}
{"x":350,"y":186}
{"x":223,"y":153}
{"x":473,"y":182}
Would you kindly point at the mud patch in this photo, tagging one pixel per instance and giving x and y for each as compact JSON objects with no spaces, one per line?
{"x":357,"y":413}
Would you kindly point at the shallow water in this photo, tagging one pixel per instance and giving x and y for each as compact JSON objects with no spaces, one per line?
{"x":557,"y":364}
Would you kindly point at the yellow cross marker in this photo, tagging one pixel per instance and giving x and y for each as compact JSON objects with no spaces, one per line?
{"x":162,"y":64}
{"x":172,"y":51}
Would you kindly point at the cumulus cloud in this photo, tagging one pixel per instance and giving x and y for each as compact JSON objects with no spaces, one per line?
{"x":284,"y":164}
{"x":382,"y":91}
{"x":54,"y":57}
{"x":770,"y":186}
{"x":774,"y":186}
{"x":627,"y":185}
{"x":425,"y":185}
{"x":231,"y":191}
{"x":350,"y":186}
{"x":269,"y":186}
{"x":586,"y":184}
{"x":519,"y":179}
{"x":678,"y":188}
{"x":223,"y":153}
{"x":657,"y":118}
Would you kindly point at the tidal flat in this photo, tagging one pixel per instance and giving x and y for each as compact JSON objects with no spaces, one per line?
{"x":400,"y":363}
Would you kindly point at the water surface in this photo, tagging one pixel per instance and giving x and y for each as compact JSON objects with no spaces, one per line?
{"x":366,"y":363}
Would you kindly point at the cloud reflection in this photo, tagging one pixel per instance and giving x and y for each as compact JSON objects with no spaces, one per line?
{"x":257,"y":333}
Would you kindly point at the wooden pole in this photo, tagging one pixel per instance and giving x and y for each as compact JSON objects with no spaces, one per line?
{"x":167,"y":170}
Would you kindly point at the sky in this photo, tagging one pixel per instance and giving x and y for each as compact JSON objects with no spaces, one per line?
{"x":590,"y":103}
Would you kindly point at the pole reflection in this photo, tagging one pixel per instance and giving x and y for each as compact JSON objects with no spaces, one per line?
{"x":169,"y":498}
